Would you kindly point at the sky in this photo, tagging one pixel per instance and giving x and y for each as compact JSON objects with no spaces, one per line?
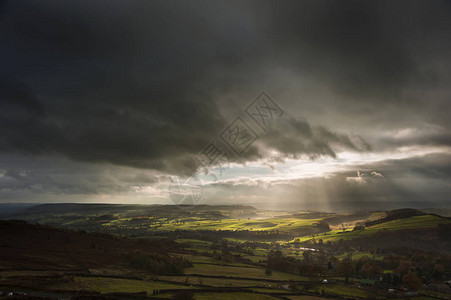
{"x":319,"y":105}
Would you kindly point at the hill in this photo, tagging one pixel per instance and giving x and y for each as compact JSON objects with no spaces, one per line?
{"x":397,"y":214}
{"x":36,"y":247}
{"x":7,"y":209}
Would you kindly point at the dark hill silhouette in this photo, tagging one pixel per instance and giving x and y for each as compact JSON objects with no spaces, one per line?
{"x":396,"y":214}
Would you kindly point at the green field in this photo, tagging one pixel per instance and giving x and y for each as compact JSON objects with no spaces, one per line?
{"x":114,"y":285}
{"x":217,"y":282}
{"x":232,"y":296}
{"x":241,"y":272}
{"x":281,"y":224}
{"x":344,"y":290}
{"x":358,"y":255}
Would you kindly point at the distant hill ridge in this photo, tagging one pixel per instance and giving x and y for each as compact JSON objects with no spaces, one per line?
{"x":100,"y":209}
{"x":401,"y":213}
{"x":9,"y":208}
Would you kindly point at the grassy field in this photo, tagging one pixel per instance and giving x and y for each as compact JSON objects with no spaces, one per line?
{"x":113,"y":285}
{"x":358,"y":255}
{"x":344,"y":290}
{"x":281,"y":224}
{"x":241,"y":272}
{"x":232,"y":296}
{"x":216,"y":282}
{"x":198,"y":258}
{"x":255,"y":258}
{"x":339,"y":290}
{"x":299,"y":297}
{"x":271,"y":290}
{"x":287,"y":224}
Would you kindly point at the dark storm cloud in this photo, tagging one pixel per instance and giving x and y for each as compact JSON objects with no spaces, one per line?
{"x":114,"y":84}
{"x":143,"y":83}
{"x":44,"y":176}
{"x":362,"y":48}
{"x":15,"y":95}
{"x":141,"y":178}
{"x":294,"y":137}
{"x":425,"y":136}
{"x":122,"y":85}
{"x":360,"y":64}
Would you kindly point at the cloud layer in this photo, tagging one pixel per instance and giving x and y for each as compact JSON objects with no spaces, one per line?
{"x":147,"y":84}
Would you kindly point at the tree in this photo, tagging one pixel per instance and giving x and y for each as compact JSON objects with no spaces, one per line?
{"x":358,"y":227}
{"x":323,"y":226}
{"x":438,"y":273}
{"x":307,"y":256}
{"x":403,"y":267}
{"x":333,"y":260}
{"x":346,"y":267}
{"x":412,"y":280}
{"x":370,"y":269}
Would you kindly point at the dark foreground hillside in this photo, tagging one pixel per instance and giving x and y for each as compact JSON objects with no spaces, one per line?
{"x":38,"y":247}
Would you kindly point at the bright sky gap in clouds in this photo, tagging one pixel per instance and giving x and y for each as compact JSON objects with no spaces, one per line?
{"x":106,"y":101}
